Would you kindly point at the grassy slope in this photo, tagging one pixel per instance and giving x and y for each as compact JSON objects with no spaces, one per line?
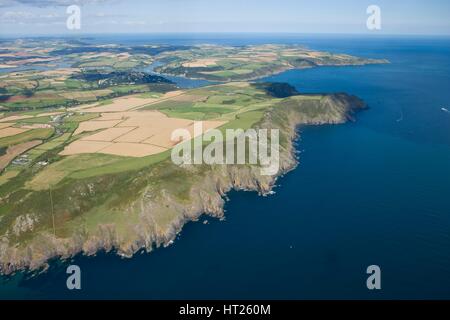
{"x":88,"y":190}
{"x":241,"y":115}
{"x":66,"y":173}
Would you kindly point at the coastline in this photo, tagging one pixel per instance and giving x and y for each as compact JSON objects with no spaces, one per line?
{"x":206,"y":196}
{"x":272,"y":72}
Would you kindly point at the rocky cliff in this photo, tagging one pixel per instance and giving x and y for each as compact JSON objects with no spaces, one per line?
{"x":166,"y":196}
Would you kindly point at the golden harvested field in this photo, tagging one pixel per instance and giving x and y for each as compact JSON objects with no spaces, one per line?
{"x":15,"y":118}
{"x":93,"y":125}
{"x":60,"y":72}
{"x":138,"y":134}
{"x":129,"y":103}
{"x":10,"y":131}
{"x":79,"y":146}
{"x":152,"y":119}
{"x":162,"y":139}
{"x":200,"y":63}
{"x":132,"y":134}
{"x":112,"y":116}
{"x":109,"y":134}
{"x":122,"y":129}
{"x":237,"y":84}
{"x":5,"y":125}
{"x":132,"y":149}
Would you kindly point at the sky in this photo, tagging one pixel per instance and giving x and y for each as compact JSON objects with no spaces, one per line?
{"x":45,"y":17}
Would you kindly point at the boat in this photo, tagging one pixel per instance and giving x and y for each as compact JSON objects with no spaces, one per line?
{"x":445,"y":109}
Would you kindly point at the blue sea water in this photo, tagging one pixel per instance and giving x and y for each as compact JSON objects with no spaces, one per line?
{"x":376,"y":191}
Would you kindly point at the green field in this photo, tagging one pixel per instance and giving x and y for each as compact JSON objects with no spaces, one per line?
{"x":249,"y":62}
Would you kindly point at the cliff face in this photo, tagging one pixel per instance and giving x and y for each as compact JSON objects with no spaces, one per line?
{"x":155,"y":214}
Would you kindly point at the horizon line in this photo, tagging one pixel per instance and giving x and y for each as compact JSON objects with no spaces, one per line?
{"x":81,"y":34}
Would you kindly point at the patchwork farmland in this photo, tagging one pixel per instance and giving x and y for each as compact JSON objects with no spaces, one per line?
{"x":135,"y":133}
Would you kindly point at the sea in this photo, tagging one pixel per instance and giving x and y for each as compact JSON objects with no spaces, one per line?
{"x":371,"y":192}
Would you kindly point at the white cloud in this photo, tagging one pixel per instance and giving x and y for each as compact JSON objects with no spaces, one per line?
{"x":27,"y":17}
{"x":48,"y":3}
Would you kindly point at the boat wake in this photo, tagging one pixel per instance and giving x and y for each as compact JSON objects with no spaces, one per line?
{"x":401,"y":116}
